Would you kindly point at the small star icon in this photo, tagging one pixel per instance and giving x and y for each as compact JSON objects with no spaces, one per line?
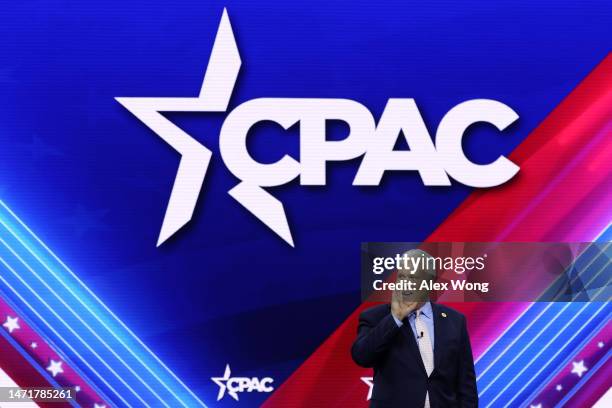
{"x":77,"y":388}
{"x":55,"y":367}
{"x":369,"y":381}
{"x":536,"y":406}
{"x":12,"y":323}
{"x":96,"y":405}
{"x":33,"y":344}
{"x":578,"y":368}
{"x":600,"y":344}
{"x":559,"y":387}
{"x":221,"y":382}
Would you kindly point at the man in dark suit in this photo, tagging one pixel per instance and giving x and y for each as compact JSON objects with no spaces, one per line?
{"x":420,"y":351}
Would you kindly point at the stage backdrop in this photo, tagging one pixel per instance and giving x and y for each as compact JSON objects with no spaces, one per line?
{"x":224,"y":311}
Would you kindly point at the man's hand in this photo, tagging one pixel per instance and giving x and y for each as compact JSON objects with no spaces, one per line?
{"x":399,"y":307}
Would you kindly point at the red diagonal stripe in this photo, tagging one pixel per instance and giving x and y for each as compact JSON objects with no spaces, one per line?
{"x":24,"y":374}
{"x":560,"y":194}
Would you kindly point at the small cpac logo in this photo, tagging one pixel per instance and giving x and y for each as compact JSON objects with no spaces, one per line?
{"x":234,"y":385}
{"x":436,"y":163}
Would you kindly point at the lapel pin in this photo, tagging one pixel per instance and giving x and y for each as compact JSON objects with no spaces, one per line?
{"x":443,"y":314}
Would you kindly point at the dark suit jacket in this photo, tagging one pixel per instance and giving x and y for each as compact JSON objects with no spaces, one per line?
{"x":400,"y":379}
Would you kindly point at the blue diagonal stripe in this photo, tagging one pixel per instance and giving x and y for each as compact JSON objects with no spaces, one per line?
{"x":83,"y":330}
{"x":546,"y":335}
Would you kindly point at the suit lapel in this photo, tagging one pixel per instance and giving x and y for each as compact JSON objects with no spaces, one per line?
{"x":439,"y":332}
{"x":412,"y":344}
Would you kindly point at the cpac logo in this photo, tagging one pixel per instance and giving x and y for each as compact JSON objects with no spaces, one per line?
{"x":369,"y":381}
{"x":234,"y":385}
{"x":375,"y":142}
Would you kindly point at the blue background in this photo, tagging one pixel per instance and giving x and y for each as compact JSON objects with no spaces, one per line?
{"x":94,"y":182}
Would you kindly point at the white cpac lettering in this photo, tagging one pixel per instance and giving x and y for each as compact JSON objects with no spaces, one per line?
{"x":401,"y":116}
{"x":375,"y":143}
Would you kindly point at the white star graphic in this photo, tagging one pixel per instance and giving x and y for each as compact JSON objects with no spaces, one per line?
{"x":96,"y":405}
{"x":11,"y":323}
{"x":217,"y":87}
{"x":536,"y":406}
{"x":215,"y":93}
{"x":55,"y":367}
{"x":33,"y":344}
{"x":370,"y":383}
{"x":559,"y":387}
{"x":578,"y":368}
{"x":220,"y":381}
{"x":77,"y":388}
{"x":600,"y":344}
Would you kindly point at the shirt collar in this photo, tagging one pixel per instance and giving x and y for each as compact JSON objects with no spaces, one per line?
{"x":426,"y":310}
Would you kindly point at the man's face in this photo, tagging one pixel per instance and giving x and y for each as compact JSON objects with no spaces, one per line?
{"x":413,"y":293}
